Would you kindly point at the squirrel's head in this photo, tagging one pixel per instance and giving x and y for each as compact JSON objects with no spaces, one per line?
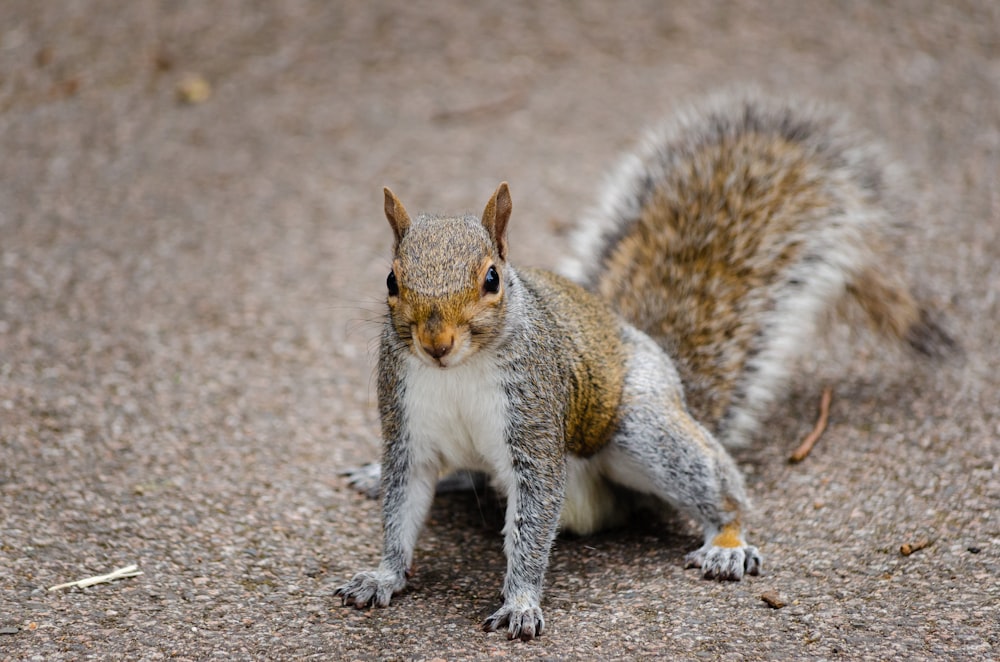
{"x":446,"y":288}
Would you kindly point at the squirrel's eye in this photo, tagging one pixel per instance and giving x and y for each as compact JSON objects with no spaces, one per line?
{"x":391,"y":283}
{"x":492,"y":281}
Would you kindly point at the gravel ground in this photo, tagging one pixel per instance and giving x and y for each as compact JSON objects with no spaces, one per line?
{"x":190,"y":289}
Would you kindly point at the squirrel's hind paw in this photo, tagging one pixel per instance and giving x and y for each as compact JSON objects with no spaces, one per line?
{"x":725,"y":563}
{"x":366,"y":479}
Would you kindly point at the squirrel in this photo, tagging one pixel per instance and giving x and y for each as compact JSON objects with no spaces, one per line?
{"x":716,"y":250}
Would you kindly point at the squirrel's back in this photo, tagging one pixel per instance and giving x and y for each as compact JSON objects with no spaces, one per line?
{"x":731,"y":232}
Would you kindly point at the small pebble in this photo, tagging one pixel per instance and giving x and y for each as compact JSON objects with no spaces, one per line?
{"x":194,"y":89}
{"x":772,"y":599}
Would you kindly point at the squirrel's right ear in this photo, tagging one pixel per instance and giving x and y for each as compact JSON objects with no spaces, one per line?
{"x":396,"y":215}
{"x":495,"y":218}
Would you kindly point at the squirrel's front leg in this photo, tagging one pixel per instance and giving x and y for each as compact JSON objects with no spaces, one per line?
{"x":407,"y":489}
{"x":534,"y":501}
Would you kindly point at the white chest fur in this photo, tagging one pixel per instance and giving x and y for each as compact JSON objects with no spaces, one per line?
{"x":457,"y":417}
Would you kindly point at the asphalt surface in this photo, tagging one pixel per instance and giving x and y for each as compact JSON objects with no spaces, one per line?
{"x":192,"y":260}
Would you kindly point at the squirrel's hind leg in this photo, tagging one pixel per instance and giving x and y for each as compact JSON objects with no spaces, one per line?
{"x":700,"y":480}
{"x":660,"y":449}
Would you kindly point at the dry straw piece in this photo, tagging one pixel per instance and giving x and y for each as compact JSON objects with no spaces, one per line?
{"x":120,"y":573}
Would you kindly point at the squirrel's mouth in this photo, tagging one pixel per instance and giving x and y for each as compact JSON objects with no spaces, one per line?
{"x":442,"y":363}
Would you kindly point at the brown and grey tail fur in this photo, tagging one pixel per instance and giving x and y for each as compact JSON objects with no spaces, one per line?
{"x":732,"y":231}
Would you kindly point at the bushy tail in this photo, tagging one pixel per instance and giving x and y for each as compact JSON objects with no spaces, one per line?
{"x":732,"y":231}
{"x":895,"y":313}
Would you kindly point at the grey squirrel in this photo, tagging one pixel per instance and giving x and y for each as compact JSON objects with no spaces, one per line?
{"x":715,"y":251}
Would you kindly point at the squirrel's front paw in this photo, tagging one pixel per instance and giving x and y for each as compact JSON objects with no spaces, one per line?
{"x":725,"y":563}
{"x":373,"y":588}
{"x":523,"y":622}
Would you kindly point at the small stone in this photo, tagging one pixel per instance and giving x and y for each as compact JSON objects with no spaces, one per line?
{"x":772,"y":599}
{"x":194,"y":89}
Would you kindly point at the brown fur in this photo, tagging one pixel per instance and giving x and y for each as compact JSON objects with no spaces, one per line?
{"x":711,"y":235}
{"x":595,"y":355}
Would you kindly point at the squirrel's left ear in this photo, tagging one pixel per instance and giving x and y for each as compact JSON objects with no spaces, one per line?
{"x":495,"y":218}
{"x":396,"y":214}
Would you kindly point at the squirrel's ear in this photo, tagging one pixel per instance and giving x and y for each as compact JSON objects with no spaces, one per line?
{"x":396,"y":214}
{"x":495,"y":218}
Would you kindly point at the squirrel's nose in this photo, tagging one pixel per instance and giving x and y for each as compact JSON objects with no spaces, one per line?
{"x":439,"y":347}
{"x":436,"y":340}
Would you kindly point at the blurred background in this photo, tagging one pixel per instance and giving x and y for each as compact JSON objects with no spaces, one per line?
{"x":192,"y":262}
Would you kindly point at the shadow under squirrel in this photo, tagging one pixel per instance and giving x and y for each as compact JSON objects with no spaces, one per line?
{"x":714,"y":254}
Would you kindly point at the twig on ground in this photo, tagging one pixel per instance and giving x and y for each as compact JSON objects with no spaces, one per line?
{"x":908,"y":548}
{"x":807,"y":444}
{"x":120,"y":573}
